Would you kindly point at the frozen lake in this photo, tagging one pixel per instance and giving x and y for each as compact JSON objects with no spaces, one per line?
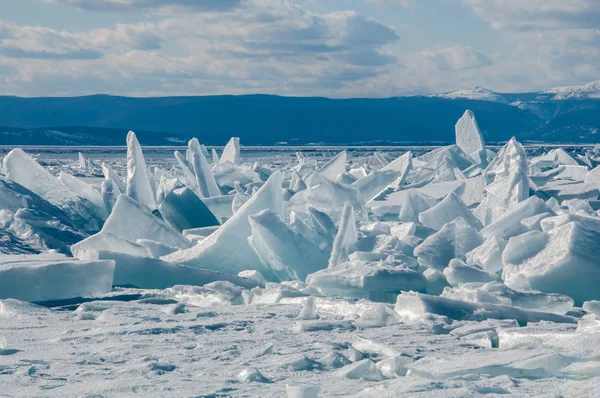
{"x":380,"y":273}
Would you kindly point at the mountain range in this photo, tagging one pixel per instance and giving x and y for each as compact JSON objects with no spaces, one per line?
{"x":560,"y":115}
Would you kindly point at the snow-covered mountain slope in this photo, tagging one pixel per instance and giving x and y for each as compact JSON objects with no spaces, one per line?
{"x":476,"y":93}
{"x":587,"y":91}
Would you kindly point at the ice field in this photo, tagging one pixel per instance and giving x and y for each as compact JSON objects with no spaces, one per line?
{"x":458,"y":271}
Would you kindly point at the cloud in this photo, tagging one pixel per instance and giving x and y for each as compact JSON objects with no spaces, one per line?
{"x":16,"y":52}
{"x":403,"y":3}
{"x":42,"y":43}
{"x":145,"y":5}
{"x":136,"y":37}
{"x":538,"y":14}
{"x":452,"y":58}
{"x":554,"y":42}
{"x":282,"y":47}
{"x":270,"y":46}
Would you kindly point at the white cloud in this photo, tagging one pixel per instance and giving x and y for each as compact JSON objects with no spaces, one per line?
{"x":43,"y":43}
{"x":136,"y":5}
{"x":278,"y":46}
{"x":452,"y":58}
{"x":554,"y":42}
{"x":536,"y":14}
{"x":272,"y":46}
{"x":403,"y":3}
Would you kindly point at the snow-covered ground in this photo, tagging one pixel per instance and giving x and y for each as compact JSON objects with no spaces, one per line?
{"x":451,"y":271}
{"x":159,"y":343}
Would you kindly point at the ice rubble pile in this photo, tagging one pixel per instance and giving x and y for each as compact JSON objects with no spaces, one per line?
{"x":460,"y":234}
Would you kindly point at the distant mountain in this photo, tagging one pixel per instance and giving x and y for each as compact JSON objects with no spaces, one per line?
{"x":588,"y":91}
{"x":476,"y":93}
{"x":570,"y":114}
{"x":83,"y":136}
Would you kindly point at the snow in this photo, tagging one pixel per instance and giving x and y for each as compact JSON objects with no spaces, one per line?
{"x":587,"y":91}
{"x":396,"y":273}
{"x":475,"y":93}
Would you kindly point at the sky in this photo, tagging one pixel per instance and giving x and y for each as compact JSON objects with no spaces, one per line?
{"x":332,"y":48}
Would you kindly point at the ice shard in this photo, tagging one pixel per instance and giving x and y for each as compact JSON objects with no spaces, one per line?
{"x":469,"y":137}
{"x":334,"y":167}
{"x":132,"y":221}
{"x":111,"y":174}
{"x":139,"y":187}
{"x":345,"y":239}
{"x":231,"y":153}
{"x":204,"y":178}
{"x":285,"y":254}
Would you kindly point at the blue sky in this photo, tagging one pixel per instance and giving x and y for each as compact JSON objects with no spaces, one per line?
{"x":334,"y":48}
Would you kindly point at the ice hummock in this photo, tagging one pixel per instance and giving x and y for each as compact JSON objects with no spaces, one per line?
{"x":22,"y":169}
{"x":285,"y":254}
{"x":412,"y":306}
{"x":505,"y":304}
{"x":132,"y":221}
{"x":215,"y":252}
{"x":328,"y":197}
{"x":454,"y":240}
{"x":450,"y":208}
{"x":563,"y":260}
{"x":373,"y":280}
{"x":46,"y":277}
{"x":183,"y":209}
{"x":153,"y":273}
